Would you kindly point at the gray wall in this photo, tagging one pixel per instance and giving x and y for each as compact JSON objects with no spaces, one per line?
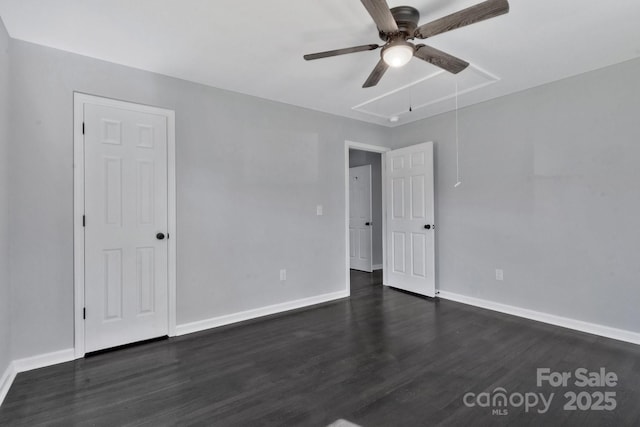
{"x":362,"y":158}
{"x":5,"y":321}
{"x":250,"y":173}
{"x":550,"y":194}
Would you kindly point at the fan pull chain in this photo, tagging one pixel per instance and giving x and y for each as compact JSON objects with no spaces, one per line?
{"x":458,"y":182}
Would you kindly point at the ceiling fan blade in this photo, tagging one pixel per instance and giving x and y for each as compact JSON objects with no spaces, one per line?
{"x":480,"y":12}
{"x":440,"y":59}
{"x":381,"y":14}
{"x":337,"y":52}
{"x":376,"y":74}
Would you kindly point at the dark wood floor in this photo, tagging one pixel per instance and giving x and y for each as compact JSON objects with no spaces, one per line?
{"x":380,"y":358}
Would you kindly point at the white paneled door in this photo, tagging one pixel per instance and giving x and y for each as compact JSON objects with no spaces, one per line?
{"x":126,"y":252}
{"x":410,"y":219}
{"x":360,"y":250}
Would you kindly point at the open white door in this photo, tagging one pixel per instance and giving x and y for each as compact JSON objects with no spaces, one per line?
{"x":126,"y":250}
{"x":410,"y":219}
{"x":360,"y":234}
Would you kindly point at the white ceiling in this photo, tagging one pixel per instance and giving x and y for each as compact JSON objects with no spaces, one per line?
{"x":256,"y":47}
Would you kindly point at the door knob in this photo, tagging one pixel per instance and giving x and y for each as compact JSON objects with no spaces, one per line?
{"x":160,"y":236}
{"x":428,"y":227}
{"x":367,"y":223}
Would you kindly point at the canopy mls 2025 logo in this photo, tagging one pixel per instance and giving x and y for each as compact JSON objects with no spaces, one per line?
{"x":593,"y":393}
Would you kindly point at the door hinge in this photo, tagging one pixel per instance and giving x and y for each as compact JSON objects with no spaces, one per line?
{"x":84,"y":221}
{"x":83,"y":128}
{"x":84,"y":313}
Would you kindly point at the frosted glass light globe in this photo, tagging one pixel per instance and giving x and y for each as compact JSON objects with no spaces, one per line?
{"x":398,"y":55}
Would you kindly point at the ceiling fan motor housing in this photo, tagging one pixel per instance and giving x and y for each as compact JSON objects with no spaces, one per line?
{"x":407,"y":18}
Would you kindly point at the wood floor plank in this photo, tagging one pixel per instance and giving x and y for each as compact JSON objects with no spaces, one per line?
{"x":379,"y":358}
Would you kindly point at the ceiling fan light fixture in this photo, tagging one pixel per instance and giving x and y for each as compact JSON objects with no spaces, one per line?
{"x":399,"y":24}
{"x":398,"y":53}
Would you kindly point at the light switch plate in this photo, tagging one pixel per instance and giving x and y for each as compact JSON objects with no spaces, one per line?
{"x":319,"y":210}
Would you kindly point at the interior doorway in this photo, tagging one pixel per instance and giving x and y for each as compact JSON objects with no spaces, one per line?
{"x":365,"y":210}
{"x":407,"y":216}
{"x":365,"y":214}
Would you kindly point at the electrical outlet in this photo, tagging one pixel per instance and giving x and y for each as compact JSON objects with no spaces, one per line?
{"x":499,"y":274}
{"x":283,"y":275}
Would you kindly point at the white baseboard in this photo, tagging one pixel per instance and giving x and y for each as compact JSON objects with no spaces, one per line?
{"x":215,"y":322}
{"x":377,"y":267}
{"x":565,"y":322}
{"x":43,"y":360}
{"x":30,"y":363}
{"x":6,"y":381}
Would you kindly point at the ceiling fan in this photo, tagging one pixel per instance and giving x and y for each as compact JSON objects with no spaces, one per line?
{"x":398,"y":25}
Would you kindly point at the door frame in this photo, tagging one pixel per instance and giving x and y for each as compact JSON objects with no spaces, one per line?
{"x":374,"y":149}
{"x":369,"y":168}
{"x":79,"y":101}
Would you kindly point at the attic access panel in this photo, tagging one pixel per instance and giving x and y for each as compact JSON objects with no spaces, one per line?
{"x":433,"y":89}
